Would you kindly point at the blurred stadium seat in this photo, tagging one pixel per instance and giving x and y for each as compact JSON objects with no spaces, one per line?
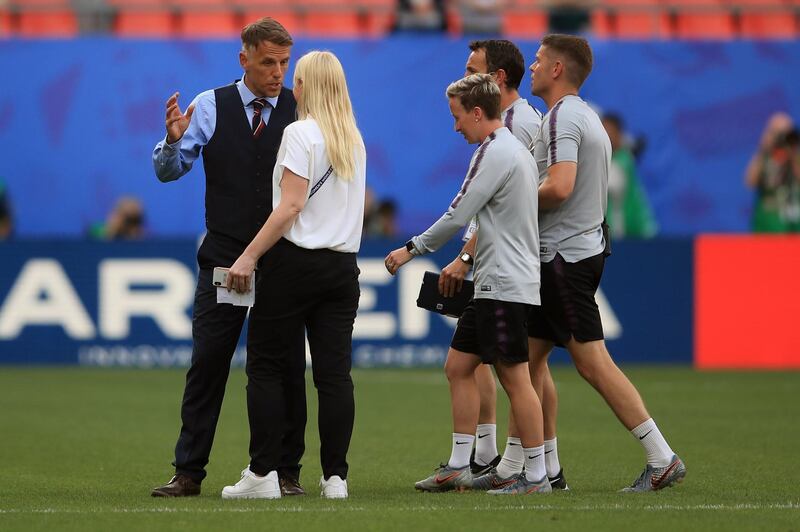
{"x":631,"y":19}
{"x":45,"y":18}
{"x":5,"y":21}
{"x":378,"y":16}
{"x":330,"y":18}
{"x":769,"y":19}
{"x":525,"y":18}
{"x":206,"y":18}
{"x":703,"y":19}
{"x":252,"y":10}
{"x":143,"y":18}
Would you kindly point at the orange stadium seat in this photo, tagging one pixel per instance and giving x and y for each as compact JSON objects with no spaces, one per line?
{"x":5,"y":22}
{"x":55,"y":23}
{"x":252,"y":10}
{"x":378,"y":16}
{"x":206,"y":18}
{"x":144,"y":23}
{"x":744,"y":4}
{"x":769,"y":24}
{"x":143,"y":18}
{"x":206,"y":23}
{"x":631,"y":19}
{"x":330,"y":18}
{"x":52,"y":18}
{"x":344,"y":23}
{"x":199,"y":22}
{"x":711,"y":24}
{"x":694,"y":19}
{"x":524,"y":23}
{"x":528,"y":24}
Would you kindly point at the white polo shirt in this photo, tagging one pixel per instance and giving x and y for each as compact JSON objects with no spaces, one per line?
{"x":334,"y":216}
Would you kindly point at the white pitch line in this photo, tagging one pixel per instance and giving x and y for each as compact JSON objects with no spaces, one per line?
{"x":301,"y":509}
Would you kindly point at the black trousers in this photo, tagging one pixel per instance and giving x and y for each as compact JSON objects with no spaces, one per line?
{"x":215,"y":332}
{"x":304,"y":291}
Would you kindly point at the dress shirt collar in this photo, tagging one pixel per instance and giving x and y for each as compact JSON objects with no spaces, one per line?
{"x":248,"y":96}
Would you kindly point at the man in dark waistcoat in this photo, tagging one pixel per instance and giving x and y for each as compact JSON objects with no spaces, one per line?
{"x":238,"y":130}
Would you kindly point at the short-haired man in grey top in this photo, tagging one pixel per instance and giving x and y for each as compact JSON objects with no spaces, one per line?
{"x":504,"y":61}
{"x":573,"y":154}
{"x":500,"y":189}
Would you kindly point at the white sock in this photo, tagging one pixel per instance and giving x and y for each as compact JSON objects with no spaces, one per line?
{"x":513,"y":459}
{"x":551,"y":457}
{"x":658,"y":451}
{"x":485,"y":443}
{"x":462,"y":447}
{"x":534,"y":463}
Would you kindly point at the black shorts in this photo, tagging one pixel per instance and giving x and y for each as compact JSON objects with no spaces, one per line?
{"x":493,"y":330}
{"x":568,"y":308}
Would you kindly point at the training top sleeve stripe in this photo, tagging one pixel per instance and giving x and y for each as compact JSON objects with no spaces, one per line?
{"x":509,"y":123}
{"x":554,"y":134}
{"x":472,"y":171}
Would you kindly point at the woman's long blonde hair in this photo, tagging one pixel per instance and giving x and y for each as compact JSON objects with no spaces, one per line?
{"x":326,"y":99}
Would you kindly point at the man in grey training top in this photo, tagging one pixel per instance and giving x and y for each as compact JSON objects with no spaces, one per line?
{"x":573,"y":154}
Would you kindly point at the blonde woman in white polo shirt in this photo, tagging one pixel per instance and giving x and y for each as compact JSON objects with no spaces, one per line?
{"x":310,"y":282}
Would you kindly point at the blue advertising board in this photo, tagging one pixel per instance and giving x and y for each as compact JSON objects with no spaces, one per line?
{"x":129,"y":304}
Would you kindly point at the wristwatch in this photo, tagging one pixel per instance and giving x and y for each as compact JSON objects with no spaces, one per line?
{"x":466,"y":257}
{"x":411,"y":249}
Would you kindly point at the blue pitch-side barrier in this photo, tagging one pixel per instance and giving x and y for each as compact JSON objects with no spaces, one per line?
{"x":129,"y":304}
{"x":79,"y":119}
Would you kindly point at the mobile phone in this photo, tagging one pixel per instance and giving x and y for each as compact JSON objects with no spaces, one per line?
{"x":220,"y":277}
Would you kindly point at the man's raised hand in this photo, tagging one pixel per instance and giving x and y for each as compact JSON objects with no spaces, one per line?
{"x":177,"y":122}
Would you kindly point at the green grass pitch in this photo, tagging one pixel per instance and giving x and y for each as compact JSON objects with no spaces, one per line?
{"x":81,"y":448}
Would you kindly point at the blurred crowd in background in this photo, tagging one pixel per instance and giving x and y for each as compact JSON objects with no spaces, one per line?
{"x":773,"y":173}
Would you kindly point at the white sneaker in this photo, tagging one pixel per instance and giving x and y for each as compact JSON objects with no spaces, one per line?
{"x":333,"y":488}
{"x":254,"y":487}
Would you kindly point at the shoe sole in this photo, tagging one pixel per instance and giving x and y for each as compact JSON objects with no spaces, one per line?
{"x":156,"y":493}
{"x":677,"y":480}
{"x":253,"y":495}
{"x":459,"y":489}
{"x":495,"y":492}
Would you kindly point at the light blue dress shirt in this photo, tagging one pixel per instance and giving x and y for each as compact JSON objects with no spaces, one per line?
{"x":171,"y":161}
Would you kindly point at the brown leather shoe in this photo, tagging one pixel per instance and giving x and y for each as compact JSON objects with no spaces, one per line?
{"x":290,"y":486}
{"x":179,"y":486}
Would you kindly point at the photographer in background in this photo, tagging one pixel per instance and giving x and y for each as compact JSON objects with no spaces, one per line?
{"x":124,"y":222}
{"x":629,"y":213}
{"x":774,"y":173}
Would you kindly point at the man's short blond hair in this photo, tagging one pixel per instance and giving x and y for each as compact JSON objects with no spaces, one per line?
{"x":576,"y":53}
